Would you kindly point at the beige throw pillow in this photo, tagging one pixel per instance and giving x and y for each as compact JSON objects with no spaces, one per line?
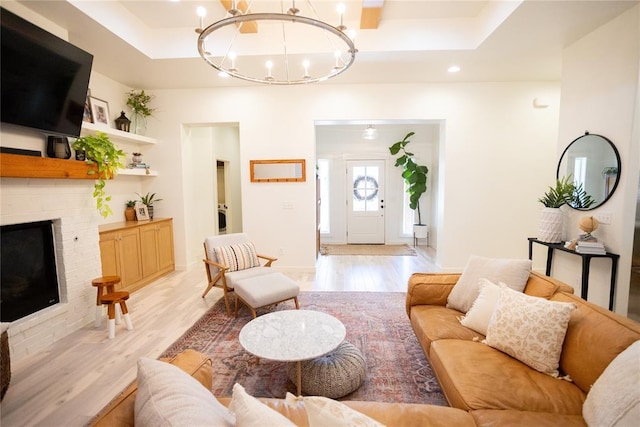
{"x":237,"y":257}
{"x":512,"y":272}
{"x":478,"y":317}
{"x":169,"y":396}
{"x":250,"y":412}
{"x":325,"y":412}
{"x":531,"y":329}
{"x":614,"y":399}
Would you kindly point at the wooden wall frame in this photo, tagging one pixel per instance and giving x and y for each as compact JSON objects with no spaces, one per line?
{"x":289,"y":170}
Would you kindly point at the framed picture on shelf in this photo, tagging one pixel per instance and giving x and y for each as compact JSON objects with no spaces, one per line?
{"x":142,"y":214}
{"x":87,"y":116}
{"x":99,"y":111}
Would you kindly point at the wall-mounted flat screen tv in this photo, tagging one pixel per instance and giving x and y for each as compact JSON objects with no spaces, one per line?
{"x":44,"y":79}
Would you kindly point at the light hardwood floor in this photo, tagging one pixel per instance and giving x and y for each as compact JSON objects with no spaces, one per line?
{"x":70,"y":381}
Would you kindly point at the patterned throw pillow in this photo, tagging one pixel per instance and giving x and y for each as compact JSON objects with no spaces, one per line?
{"x":237,"y":257}
{"x":250,"y":412}
{"x":325,"y":412}
{"x":512,"y":272}
{"x":531,"y":329}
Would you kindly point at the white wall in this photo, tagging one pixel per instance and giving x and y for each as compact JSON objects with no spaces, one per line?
{"x":600,"y":89}
{"x":498,"y":157}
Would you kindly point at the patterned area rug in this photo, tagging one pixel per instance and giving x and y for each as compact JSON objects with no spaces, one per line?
{"x":388,"y":250}
{"x":376,"y":323}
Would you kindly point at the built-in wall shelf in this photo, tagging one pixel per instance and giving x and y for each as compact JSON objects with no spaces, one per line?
{"x":137,"y":172}
{"x":115,"y":134}
{"x":18,"y":166}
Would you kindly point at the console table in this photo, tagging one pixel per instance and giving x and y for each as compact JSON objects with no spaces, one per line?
{"x":586,"y":261}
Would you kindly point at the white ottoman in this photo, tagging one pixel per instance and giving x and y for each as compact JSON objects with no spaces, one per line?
{"x":266,"y":289}
{"x":333,"y":375}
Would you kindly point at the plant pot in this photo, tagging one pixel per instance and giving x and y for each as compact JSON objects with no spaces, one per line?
{"x":130,"y":214}
{"x":550,"y":227}
{"x":420,"y":231}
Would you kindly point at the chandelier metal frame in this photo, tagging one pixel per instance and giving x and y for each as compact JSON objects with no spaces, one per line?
{"x":237,"y":18}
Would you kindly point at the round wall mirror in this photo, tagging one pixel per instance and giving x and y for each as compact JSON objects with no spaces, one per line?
{"x":594,"y":164}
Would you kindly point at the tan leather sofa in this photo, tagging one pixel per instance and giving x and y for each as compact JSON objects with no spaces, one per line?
{"x":121,"y":411}
{"x":497,"y":389}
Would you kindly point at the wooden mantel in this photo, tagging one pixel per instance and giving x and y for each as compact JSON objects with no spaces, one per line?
{"x":19,"y":166}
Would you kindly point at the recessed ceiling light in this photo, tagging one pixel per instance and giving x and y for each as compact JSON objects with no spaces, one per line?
{"x":453,"y":69}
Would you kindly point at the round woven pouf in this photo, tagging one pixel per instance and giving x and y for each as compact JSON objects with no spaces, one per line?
{"x":333,"y":375}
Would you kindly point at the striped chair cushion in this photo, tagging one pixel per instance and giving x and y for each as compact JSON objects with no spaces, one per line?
{"x":237,"y":257}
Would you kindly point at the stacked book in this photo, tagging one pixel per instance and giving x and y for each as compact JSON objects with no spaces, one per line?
{"x":591,"y":247}
{"x":140,"y":166}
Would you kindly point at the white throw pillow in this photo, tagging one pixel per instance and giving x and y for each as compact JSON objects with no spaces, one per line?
{"x":325,"y":412}
{"x":250,"y":412}
{"x":169,"y":396}
{"x":513,"y":272}
{"x":531,"y":329}
{"x":479,"y":315}
{"x":614,"y":399}
{"x":237,"y":257}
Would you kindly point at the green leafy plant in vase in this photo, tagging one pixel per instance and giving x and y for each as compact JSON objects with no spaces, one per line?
{"x":415,"y":176}
{"x":107,"y":159}
{"x":130,"y":210}
{"x":138,"y":101}
{"x":148,"y":200}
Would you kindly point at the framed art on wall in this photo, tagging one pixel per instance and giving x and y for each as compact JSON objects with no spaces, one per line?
{"x":99,"y":111}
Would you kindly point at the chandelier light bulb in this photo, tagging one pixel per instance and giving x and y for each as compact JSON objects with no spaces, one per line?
{"x":232,"y":57}
{"x":338,"y":56}
{"x":306,"y":64}
{"x":201,"y":12}
{"x":269,"y":67}
{"x":341,"y":8}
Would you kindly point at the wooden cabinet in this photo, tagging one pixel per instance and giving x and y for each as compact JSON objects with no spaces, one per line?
{"x":138,"y":252}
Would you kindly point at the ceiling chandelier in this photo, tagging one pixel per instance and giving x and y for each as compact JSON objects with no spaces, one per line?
{"x":281,"y":48}
{"x":370,"y":132}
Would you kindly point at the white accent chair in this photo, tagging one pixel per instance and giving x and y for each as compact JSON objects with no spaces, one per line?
{"x":259,"y":285}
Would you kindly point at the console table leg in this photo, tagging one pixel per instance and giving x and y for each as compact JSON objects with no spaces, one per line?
{"x":549,"y":260}
{"x":584,"y":293}
{"x":612,"y":288}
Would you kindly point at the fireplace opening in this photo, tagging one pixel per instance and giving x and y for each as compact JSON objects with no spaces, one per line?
{"x":28,"y":275}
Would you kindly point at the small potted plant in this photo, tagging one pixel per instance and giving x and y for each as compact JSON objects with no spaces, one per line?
{"x":107,"y":158}
{"x":148,"y":200}
{"x":130,"y":211}
{"x":415,"y":176}
{"x":138,"y":101}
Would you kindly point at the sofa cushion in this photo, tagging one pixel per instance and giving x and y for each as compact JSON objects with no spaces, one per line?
{"x":237,"y":257}
{"x":531,"y":329}
{"x":479,"y":315}
{"x":433,"y":322}
{"x":169,"y":396}
{"x":614,"y":399}
{"x":595,"y":336}
{"x":250,"y":412}
{"x":513,"y":272}
{"x":475,"y":376}
{"x":498,"y":418}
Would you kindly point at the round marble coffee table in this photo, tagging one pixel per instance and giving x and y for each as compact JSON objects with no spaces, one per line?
{"x":292,"y":336}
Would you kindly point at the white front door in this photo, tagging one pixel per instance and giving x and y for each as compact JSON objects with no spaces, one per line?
{"x":365,"y":201}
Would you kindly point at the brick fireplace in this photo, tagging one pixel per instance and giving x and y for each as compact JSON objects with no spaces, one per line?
{"x":68,"y":203}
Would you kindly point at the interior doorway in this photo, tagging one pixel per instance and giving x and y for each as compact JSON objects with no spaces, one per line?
{"x":633,"y":309}
{"x":223,"y":220}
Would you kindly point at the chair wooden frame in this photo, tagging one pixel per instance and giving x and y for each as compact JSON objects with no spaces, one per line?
{"x":220,"y":281}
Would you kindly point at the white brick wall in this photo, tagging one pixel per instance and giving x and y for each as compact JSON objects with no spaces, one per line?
{"x":69,"y":203}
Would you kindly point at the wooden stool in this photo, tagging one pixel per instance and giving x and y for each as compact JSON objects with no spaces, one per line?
{"x":110,"y":300}
{"x":105,"y":285}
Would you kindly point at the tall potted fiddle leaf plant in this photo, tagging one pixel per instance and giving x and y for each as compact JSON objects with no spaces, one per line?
{"x":415,"y":176}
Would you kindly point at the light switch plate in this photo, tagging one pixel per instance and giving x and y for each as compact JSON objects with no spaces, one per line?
{"x":604,"y":217}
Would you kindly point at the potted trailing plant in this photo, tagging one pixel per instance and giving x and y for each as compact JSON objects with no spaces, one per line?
{"x":415,"y":176}
{"x":107,"y":158}
{"x":130,"y":211}
{"x":148,"y":200}
{"x":138,"y":101}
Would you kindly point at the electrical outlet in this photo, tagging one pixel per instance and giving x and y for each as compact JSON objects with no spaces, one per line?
{"x":280,"y":251}
{"x":604,"y":217}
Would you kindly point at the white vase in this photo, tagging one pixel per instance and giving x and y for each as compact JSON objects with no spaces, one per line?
{"x":550,"y":228}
